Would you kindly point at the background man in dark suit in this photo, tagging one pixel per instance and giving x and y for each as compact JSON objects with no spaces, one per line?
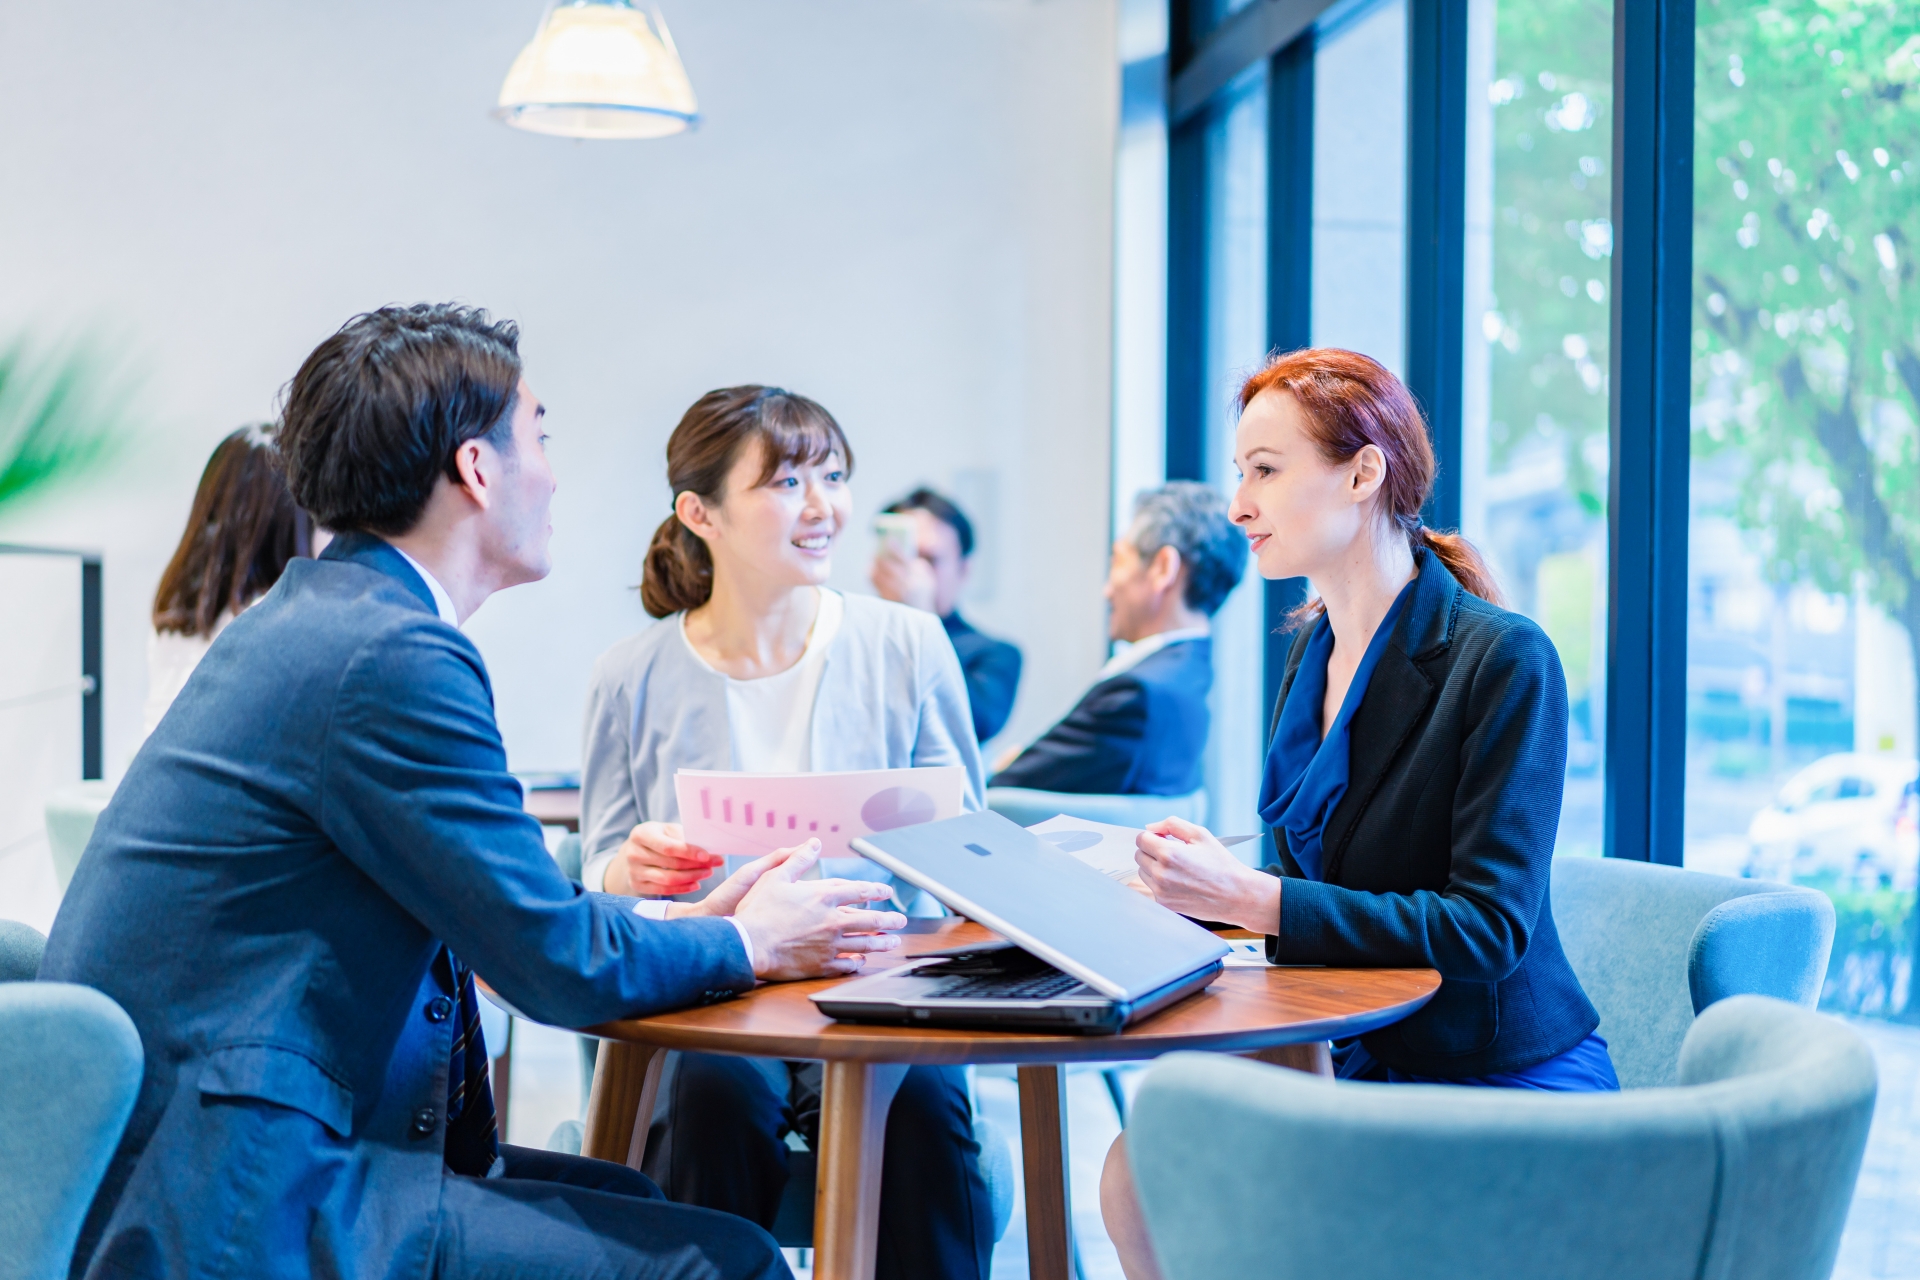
{"x":1142,"y":728}
{"x":933,"y":582}
{"x":320,"y":845}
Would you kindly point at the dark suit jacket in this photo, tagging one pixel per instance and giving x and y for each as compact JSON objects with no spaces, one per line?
{"x":992,"y":669}
{"x":1142,"y":732}
{"x":1441,"y":853}
{"x":323,"y":809}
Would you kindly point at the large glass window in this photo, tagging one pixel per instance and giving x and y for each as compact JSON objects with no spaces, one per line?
{"x":1236,"y":342}
{"x":1804,"y":564}
{"x":1534,"y":413}
{"x":1360,"y":183}
{"x":1803,"y":604}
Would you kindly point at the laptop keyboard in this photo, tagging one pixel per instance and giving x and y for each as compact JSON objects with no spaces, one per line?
{"x":1006,"y":987}
{"x":1005,"y":974}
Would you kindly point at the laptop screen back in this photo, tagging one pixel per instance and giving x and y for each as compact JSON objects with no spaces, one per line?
{"x":1115,"y":940}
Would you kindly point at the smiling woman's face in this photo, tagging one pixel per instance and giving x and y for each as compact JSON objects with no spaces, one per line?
{"x":1299,"y":511}
{"x":780,"y":531}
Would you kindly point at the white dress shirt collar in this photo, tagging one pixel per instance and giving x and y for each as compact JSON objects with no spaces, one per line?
{"x":442,"y":602}
{"x":1140,"y":650}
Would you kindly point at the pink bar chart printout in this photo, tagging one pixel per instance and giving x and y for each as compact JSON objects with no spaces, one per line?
{"x":745,"y":815}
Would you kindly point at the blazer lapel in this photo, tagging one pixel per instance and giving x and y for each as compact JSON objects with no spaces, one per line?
{"x":1396,"y":699}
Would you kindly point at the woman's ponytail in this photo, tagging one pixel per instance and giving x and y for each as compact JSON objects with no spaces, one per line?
{"x":1464,"y":561}
{"x":678,"y":574}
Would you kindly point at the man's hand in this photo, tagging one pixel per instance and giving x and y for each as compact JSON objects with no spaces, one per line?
{"x":657,"y":862}
{"x":904,"y":581}
{"x":810,"y":928}
{"x":1189,"y":871}
{"x":726,"y":896}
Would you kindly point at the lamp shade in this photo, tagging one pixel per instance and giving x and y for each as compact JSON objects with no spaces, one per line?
{"x":598,"y":69}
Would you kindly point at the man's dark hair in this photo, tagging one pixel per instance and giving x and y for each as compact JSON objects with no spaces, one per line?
{"x":941,"y":508}
{"x":378,"y":411}
{"x":1192,"y":519}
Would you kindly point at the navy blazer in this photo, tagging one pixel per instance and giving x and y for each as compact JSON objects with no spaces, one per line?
{"x":1142,"y":732}
{"x":1440,"y":854}
{"x":992,"y":669}
{"x":325,"y":807}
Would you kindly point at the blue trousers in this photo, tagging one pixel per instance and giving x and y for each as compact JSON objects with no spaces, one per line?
{"x":719,"y":1141}
{"x":561,"y":1217}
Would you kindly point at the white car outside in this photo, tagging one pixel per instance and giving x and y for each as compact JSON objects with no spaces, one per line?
{"x":1849,"y":816}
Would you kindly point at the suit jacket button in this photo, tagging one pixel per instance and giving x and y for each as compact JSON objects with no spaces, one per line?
{"x":424,"y":1121}
{"x":439,"y":1009}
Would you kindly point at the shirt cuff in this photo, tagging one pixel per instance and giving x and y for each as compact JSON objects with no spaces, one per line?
{"x":746,"y":942}
{"x":594,"y":873}
{"x":656,"y":909}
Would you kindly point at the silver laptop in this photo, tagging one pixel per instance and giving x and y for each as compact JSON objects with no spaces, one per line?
{"x":1081,"y":953}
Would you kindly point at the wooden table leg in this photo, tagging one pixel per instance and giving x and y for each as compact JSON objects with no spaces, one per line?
{"x":1315,"y":1057}
{"x":626,"y":1076}
{"x":1043,"y":1150}
{"x":846,"y":1199}
{"x":501,"y":1070}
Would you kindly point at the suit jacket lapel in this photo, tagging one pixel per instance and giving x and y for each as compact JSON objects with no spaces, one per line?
{"x":1396,"y":699}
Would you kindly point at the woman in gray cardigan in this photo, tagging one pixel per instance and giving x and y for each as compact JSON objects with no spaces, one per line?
{"x":756,"y":665}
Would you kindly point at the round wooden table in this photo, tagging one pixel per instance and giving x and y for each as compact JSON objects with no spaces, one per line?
{"x":1280,"y":1014}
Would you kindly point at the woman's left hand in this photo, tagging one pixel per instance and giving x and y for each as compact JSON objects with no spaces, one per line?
{"x":1188,"y":871}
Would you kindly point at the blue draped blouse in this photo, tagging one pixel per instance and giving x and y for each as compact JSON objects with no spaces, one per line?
{"x":1306,"y":778}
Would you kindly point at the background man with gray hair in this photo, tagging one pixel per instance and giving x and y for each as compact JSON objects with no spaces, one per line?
{"x":1142,"y":728}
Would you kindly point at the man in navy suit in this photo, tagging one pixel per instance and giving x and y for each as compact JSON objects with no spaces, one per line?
{"x":1142,"y":728}
{"x":320,"y":846}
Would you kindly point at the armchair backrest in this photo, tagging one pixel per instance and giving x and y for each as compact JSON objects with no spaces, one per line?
{"x":21,"y":947}
{"x":1654,"y":945}
{"x":1245,"y":1169}
{"x":71,"y":1062}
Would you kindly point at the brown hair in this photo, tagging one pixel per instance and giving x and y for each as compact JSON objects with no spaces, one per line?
{"x":240,"y":534}
{"x":678,"y":574}
{"x":1350,"y":401}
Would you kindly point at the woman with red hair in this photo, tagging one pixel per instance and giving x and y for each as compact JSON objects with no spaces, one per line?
{"x":1414,"y":776}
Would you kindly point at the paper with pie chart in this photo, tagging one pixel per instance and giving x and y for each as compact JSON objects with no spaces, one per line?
{"x":1101,"y":845}
{"x":745,"y":815}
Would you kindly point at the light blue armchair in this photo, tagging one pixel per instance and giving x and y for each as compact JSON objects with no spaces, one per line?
{"x":1026,"y":806}
{"x":21,"y":946}
{"x":1655,"y":945}
{"x":1743,"y":1172}
{"x":71,"y":1060}
{"x":71,"y":813}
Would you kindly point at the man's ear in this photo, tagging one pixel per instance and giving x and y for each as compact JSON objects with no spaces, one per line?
{"x":1163,"y":571}
{"x":473,"y":465}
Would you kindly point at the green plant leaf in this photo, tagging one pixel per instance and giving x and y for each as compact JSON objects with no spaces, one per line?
{"x":63,"y":416}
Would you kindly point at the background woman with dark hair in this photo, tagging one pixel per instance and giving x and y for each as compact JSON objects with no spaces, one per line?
{"x":1413,"y":781}
{"x":757,"y":666}
{"x":241,"y":532}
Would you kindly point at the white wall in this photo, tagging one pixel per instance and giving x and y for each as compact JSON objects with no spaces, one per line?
{"x":1140,"y":258}
{"x":900,"y":207}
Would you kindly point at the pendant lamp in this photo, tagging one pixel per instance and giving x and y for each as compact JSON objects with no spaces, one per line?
{"x":598,"y":69}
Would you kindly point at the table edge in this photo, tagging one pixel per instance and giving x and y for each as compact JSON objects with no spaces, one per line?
{"x":1026,"y":1049}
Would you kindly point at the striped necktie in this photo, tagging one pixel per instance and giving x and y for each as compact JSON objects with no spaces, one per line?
{"x":473,"y":1139}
